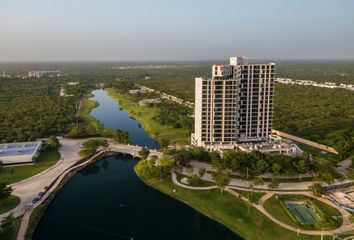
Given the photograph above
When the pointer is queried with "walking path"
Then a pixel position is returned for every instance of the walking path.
(235, 182)
(345, 227)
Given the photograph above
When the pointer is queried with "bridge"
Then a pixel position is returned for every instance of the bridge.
(130, 149)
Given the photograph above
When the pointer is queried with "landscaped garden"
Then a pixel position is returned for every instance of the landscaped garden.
(224, 208)
(303, 212)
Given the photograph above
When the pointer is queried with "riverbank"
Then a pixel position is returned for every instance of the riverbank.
(85, 109)
(226, 209)
(145, 116)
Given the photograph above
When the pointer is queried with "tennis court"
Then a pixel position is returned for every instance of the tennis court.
(302, 212)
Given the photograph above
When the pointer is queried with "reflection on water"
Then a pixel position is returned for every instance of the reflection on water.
(107, 201)
(111, 116)
(92, 169)
(114, 204)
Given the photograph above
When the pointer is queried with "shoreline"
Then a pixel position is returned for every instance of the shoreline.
(58, 184)
(176, 135)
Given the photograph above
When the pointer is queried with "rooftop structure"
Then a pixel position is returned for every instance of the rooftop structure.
(19, 153)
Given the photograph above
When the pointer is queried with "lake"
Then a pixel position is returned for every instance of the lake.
(106, 200)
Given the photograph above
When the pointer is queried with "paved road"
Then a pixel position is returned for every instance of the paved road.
(305, 141)
(29, 188)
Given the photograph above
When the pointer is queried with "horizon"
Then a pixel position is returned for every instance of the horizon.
(136, 31)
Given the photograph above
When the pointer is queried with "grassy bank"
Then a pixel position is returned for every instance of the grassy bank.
(145, 115)
(8, 203)
(226, 209)
(14, 174)
(86, 107)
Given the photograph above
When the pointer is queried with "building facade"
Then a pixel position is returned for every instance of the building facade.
(235, 105)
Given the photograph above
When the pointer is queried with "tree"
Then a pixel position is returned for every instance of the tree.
(222, 179)
(7, 227)
(317, 189)
(262, 166)
(1, 165)
(327, 178)
(164, 143)
(144, 152)
(201, 172)
(183, 156)
(276, 168)
(53, 142)
(5, 190)
(258, 181)
(274, 183)
(195, 179)
(302, 166)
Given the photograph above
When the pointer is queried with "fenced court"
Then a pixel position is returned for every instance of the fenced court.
(302, 212)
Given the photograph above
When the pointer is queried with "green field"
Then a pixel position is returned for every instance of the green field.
(253, 196)
(15, 174)
(145, 115)
(8, 203)
(226, 209)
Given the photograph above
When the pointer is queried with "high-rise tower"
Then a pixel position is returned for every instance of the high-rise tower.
(235, 105)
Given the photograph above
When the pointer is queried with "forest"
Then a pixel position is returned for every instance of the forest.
(31, 108)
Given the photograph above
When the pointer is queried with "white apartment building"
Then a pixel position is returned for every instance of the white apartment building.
(235, 105)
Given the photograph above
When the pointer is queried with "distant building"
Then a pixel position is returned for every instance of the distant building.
(73, 83)
(145, 102)
(41, 74)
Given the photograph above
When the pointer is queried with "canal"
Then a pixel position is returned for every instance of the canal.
(107, 201)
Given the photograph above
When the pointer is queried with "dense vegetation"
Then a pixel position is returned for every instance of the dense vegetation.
(174, 114)
(319, 71)
(147, 117)
(31, 108)
(321, 115)
(255, 163)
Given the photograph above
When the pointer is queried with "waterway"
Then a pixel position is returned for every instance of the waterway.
(107, 201)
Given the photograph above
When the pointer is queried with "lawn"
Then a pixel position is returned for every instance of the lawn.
(253, 196)
(226, 209)
(15, 174)
(86, 107)
(145, 115)
(275, 208)
(8, 203)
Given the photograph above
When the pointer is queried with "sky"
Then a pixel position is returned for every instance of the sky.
(142, 30)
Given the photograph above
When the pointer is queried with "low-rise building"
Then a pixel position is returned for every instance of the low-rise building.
(19, 153)
(145, 102)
